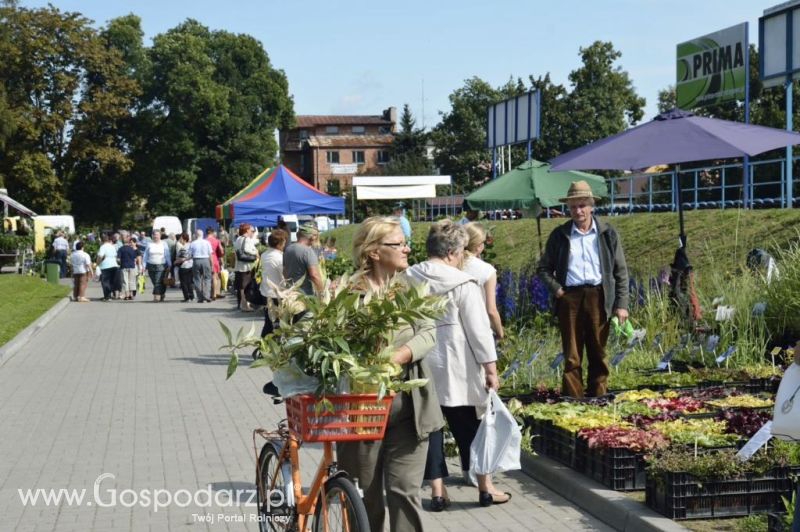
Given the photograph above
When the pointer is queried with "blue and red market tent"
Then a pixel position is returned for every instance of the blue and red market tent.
(274, 192)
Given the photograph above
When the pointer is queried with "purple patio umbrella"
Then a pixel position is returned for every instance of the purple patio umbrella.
(675, 137)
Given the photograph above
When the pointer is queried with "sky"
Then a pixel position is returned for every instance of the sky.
(360, 57)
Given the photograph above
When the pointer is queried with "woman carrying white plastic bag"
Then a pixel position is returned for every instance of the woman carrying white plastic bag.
(786, 417)
(496, 446)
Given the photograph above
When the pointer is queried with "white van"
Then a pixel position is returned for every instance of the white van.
(292, 224)
(171, 224)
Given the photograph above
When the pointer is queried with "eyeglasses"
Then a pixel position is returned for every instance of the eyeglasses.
(395, 244)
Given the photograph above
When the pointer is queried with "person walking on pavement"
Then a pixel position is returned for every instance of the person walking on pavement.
(217, 253)
(246, 257)
(483, 272)
(200, 252)
(583, 266)
(300, 261)
(60, 249)
(395, 464)
(107, 262)
(272, 272)
(184, 263)
(463, 362)
(81, 272)
(130, 261)
(157, 260)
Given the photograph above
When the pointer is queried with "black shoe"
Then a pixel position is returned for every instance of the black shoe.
(438, 504)
(486, 499)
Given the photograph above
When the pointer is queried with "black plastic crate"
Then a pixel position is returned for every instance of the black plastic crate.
(559, 445)
(616, 468)
(681, 496)
(537, 433)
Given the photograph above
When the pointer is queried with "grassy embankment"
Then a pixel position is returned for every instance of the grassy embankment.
(24, 299)
(715, 239)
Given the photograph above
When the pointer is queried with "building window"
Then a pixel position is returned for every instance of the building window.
(358, 157)
(333, 157)
(331, 130)
(303, 134)
(359, 130)
(383, 157)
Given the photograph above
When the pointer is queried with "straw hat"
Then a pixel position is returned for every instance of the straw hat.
(579, 190)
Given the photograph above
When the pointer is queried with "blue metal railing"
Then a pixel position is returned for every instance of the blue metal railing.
(712, 187)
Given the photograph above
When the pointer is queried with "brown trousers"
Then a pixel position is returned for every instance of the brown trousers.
(80, 280)
(584, 324)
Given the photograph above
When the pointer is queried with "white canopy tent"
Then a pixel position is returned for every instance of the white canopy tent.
(7, 202)
(399, 187)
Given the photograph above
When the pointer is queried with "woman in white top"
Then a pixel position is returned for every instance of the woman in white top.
(158, 262)
(81, 272)
(272, 272)
(246, 257)
(484, 273)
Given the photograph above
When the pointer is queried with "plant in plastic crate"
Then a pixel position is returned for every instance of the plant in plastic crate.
(343, 342)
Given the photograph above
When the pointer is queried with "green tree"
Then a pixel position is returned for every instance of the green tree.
(603, 100)
(554, 120)
(408, 153)
(460, 137)
(211, 104)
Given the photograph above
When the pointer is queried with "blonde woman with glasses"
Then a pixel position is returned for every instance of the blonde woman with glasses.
(397, 463)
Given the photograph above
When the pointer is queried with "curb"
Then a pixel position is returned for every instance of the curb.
(611, 507)
(15, 344)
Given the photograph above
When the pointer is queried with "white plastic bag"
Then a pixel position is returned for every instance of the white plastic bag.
(496, 446)
(786, 418)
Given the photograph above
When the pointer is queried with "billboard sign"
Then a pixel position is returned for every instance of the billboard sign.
(712, 69)
(513, 121)
(778, 45)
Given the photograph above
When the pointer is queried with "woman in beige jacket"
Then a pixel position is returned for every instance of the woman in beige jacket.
(462, 361)
(396, 463)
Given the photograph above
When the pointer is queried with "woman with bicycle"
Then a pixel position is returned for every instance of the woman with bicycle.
(396, 463)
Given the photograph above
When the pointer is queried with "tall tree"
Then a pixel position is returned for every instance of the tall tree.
(603, 100)
(212, 102)
(460, 137)
(409, 152)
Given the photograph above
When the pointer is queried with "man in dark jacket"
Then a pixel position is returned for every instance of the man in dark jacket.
(584, 268)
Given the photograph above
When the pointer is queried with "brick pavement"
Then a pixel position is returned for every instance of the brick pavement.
(137, 390)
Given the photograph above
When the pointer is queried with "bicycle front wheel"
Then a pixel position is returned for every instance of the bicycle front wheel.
(276, 510)
(340, 508)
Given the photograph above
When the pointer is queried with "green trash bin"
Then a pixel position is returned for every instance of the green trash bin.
(52, 269)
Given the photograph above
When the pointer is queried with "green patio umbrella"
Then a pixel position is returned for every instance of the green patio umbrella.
(530, 186)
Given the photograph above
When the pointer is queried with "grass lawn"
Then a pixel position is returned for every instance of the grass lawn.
(24, 299)
(715, 238)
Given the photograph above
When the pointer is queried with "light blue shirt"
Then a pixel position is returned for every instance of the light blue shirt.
(200, 248)
(584, 257)
(109, 254)
(405, 225)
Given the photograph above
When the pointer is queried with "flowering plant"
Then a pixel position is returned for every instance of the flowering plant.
(636, 440)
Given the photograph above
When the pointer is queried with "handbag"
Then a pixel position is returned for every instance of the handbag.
(252, 293)
(243, 256)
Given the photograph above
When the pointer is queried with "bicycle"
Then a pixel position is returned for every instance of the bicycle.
(333, 501)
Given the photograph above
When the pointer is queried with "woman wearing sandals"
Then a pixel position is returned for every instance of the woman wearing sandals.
(463, 360)
(397, 462)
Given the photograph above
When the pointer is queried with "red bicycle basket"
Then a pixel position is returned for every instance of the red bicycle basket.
(360, 417)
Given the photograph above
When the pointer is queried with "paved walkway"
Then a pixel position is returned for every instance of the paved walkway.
(136, 391)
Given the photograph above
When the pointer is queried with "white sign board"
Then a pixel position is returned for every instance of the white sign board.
(513, 121)
(392, 181)
(344, 169)
(402, 192)
(778, 44)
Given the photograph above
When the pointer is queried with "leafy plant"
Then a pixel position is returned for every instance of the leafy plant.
(633, 439)
(345, 335)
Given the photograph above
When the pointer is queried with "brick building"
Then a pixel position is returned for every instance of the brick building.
(328, 150)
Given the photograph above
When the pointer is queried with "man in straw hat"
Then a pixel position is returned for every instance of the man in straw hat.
(584, 267)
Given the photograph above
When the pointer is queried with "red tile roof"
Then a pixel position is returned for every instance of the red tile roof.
(340, 120)
(349, 141)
